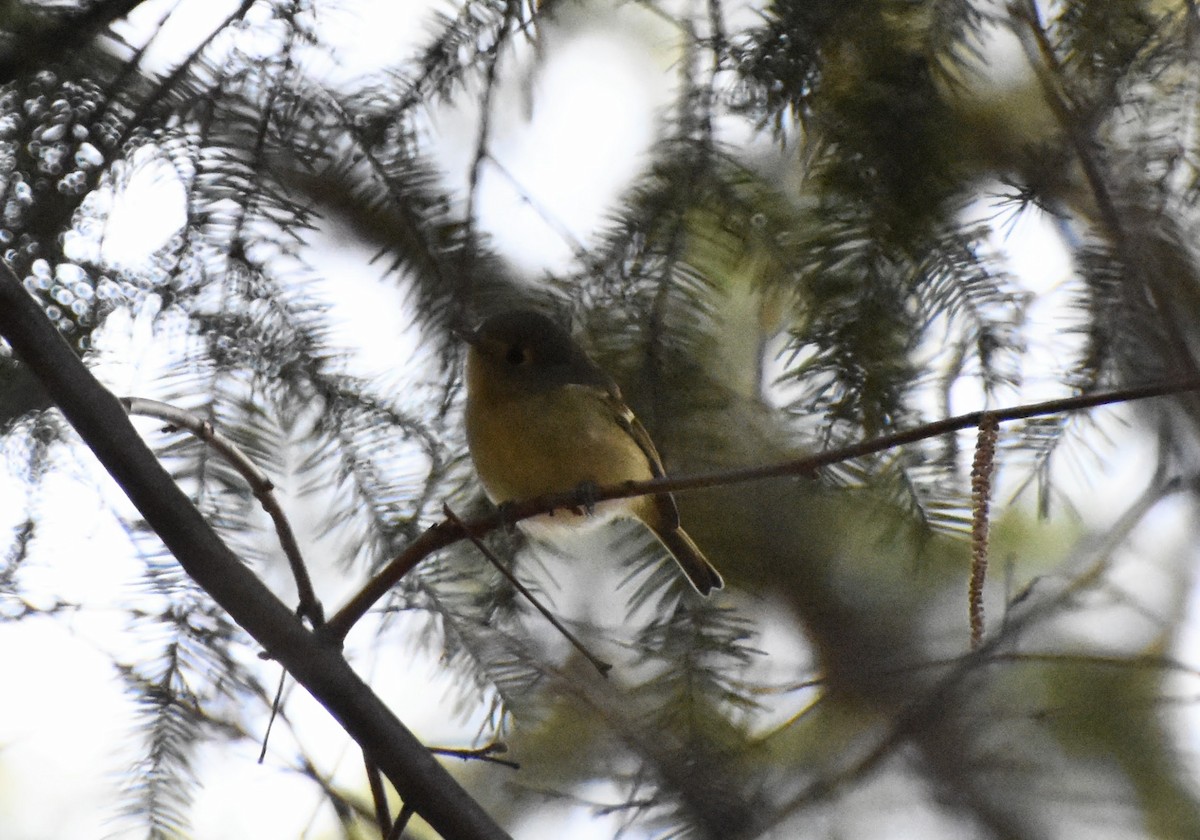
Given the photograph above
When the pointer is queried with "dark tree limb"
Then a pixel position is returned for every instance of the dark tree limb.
(101, 421)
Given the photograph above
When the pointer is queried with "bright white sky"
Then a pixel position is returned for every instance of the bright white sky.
(65, 722)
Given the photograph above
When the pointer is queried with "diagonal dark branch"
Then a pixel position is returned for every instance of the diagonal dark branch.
(102, 423)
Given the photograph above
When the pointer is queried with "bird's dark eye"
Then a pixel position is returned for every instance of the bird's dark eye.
(517, 355)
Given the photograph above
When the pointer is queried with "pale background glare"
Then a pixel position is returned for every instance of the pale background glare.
(568, 142)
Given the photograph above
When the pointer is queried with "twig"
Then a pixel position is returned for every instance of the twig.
(487, 752)
(442, 534)
(601, 666)
(383, 816)
(406, 814)
(262, 754)
(260, 485)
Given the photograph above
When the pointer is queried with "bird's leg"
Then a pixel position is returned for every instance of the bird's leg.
(506, 512)
(585, 495)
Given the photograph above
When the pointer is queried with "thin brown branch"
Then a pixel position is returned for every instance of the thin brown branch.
(442, 534)
(488, 753)
(406, 814)
(383, 814)
(260, 485)
(276, 704)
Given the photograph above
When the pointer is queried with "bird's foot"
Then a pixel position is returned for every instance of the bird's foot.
(507, 512)
(585, 495)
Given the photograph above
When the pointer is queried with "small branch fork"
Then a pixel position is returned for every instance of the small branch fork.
(451, 530)
(260, 485)
(309, 606)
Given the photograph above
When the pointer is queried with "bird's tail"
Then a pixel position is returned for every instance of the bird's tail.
(691, 559)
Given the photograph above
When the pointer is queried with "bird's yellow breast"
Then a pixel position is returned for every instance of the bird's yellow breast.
(529, 444)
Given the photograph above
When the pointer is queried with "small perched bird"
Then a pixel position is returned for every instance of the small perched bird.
(543, 418)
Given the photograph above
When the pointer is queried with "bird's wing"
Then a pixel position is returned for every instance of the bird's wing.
(667, 511)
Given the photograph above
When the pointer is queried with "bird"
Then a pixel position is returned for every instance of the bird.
(541, 417)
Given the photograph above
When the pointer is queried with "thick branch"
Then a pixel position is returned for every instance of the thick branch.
(105, 428)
